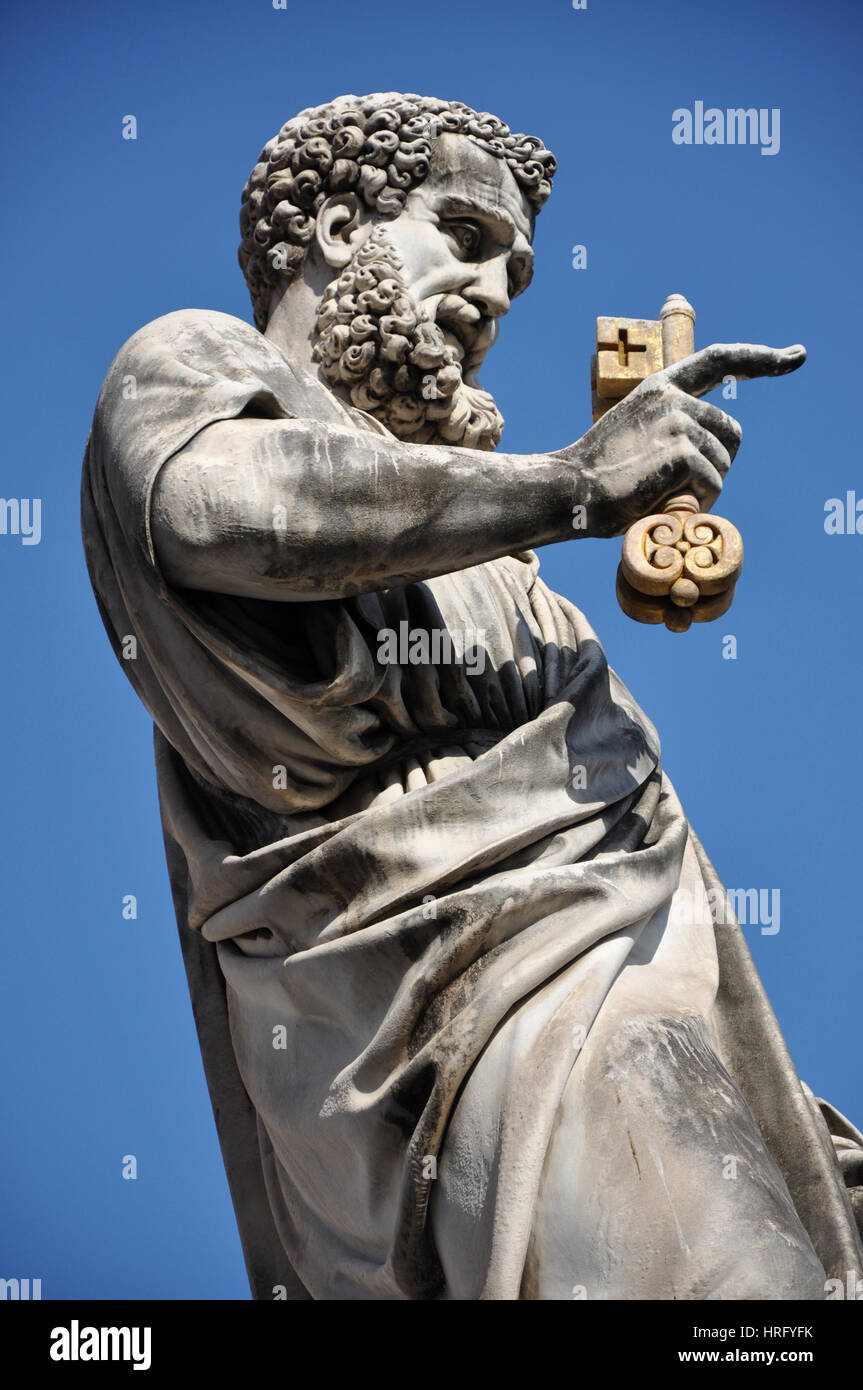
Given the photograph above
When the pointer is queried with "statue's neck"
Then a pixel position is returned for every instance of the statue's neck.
(293, 313)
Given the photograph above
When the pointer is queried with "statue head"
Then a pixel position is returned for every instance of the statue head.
(410, 221)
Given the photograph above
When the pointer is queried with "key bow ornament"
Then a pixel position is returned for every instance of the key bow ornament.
(684, 560)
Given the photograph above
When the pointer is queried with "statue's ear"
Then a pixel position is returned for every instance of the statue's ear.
(339, 229)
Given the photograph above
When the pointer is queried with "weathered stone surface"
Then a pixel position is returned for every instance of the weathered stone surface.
(466, 1034)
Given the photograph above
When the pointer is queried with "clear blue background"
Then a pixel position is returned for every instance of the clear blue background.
(103, 234)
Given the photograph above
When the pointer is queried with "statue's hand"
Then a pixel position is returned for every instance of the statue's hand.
(661, 439)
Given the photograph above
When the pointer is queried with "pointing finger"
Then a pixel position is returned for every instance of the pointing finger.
(707, 369)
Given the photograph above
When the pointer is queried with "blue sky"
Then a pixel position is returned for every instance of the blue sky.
(100, 1051)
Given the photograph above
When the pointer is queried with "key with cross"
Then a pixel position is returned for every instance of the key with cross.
(627, 351)
(678, 566)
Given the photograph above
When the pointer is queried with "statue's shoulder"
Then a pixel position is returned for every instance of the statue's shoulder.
(205, 333)
(194, 358)
(194, 366)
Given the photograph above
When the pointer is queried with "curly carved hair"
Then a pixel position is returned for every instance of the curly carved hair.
(377, 146)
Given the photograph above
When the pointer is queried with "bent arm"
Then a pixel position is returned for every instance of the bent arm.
(290, 509)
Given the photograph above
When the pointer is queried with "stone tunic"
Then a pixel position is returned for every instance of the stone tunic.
(465, 1035)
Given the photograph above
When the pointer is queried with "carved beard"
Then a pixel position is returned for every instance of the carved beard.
(372, 345)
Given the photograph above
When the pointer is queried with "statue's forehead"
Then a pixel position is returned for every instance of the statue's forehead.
(462, 170)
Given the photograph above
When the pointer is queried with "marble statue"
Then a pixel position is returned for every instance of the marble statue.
(468, 1030)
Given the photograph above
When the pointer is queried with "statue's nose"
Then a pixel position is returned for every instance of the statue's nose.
(488, 288)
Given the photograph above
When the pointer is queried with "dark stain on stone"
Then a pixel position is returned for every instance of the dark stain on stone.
(632, 1146)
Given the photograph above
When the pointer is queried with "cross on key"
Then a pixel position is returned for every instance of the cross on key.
(627, 351)
(624, 348)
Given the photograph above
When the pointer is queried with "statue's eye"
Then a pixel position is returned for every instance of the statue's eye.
(467, 236)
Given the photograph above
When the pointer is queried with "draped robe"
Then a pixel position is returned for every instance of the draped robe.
(464, 1034)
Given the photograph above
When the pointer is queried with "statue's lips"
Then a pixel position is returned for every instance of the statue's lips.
(462, 324)
(452, 340)
(471, 340)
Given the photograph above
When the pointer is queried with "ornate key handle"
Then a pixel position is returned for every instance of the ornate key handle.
(678, 566)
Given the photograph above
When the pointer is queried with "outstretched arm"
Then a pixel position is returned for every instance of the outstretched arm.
(292, 509)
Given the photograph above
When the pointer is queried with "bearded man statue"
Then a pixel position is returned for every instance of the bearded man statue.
(467, 1030)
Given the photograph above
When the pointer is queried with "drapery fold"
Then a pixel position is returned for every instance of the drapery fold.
(438, 977)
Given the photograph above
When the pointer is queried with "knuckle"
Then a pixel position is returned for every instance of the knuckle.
(677, 422)
(727, 422)
(724, 427)
(653, 389)
(709, 477)
(684, 453)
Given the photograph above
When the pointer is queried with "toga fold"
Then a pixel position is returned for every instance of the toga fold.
(464, 1034)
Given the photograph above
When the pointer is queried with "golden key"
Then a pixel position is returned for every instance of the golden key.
(681, 565)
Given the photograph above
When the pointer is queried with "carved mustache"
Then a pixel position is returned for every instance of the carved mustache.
(464, 320)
